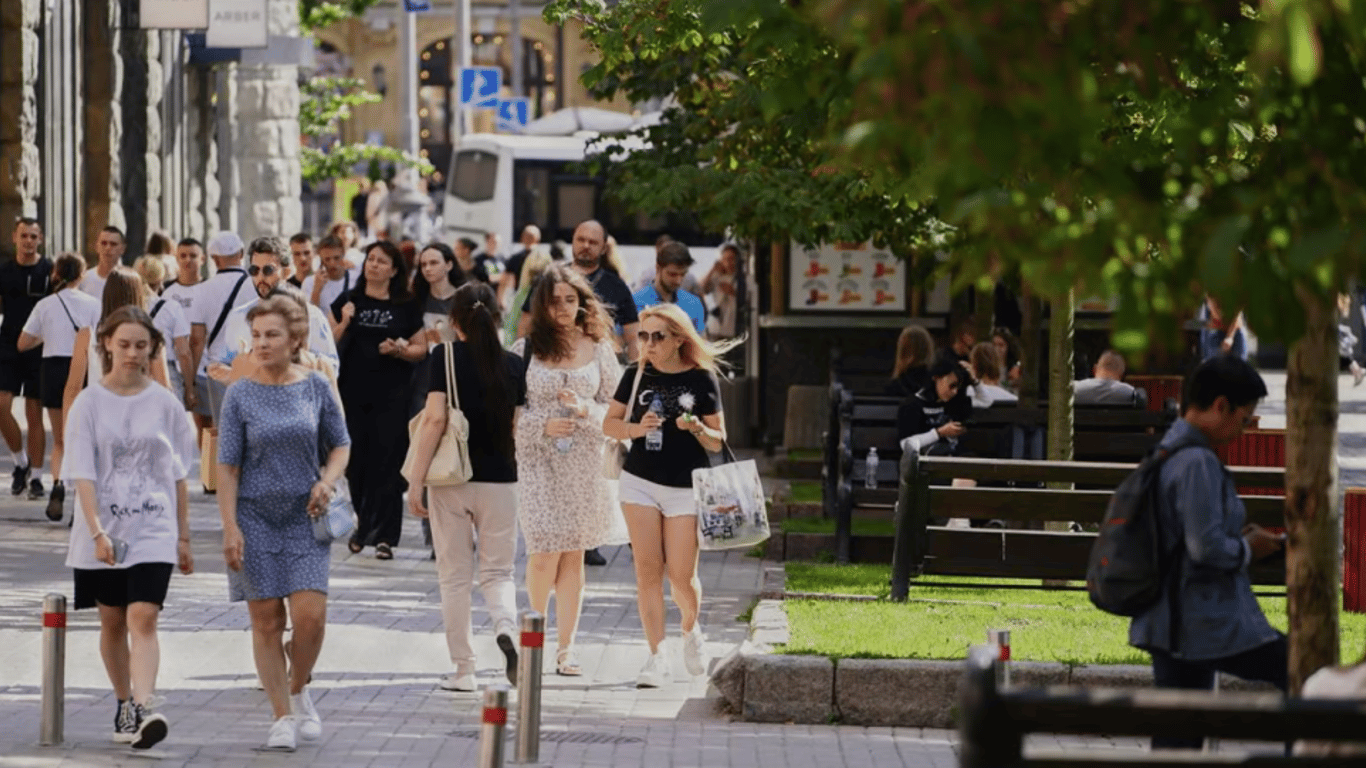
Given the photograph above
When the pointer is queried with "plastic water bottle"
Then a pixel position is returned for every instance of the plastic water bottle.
(654, 440)
(565, 444)
(870, 474)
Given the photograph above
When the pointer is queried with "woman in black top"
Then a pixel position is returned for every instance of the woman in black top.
(379, 338)
(933, 415)
(491, 387)
(679, 400)
(910, 372)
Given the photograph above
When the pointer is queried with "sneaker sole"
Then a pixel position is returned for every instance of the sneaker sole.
(510, 654)
(153, 730)
(124, 738)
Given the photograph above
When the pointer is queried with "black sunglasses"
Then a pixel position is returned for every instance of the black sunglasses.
(42, 287)
(267, 270)
(658, 336)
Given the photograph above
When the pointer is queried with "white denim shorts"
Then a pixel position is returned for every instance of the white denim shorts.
(670, 501)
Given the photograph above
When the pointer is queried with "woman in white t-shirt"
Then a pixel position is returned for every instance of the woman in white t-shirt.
(986, 362)
(169, 318)
(55, 322)
(122, 288)
(130, 450)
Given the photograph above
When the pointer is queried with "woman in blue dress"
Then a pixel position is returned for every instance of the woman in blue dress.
(273, 425)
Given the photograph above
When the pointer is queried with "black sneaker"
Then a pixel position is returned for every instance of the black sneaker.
(593, 557)
(20, 481)
(36, 491)
(152, 728)
(509, 650)
(56, 502)
(126, 722)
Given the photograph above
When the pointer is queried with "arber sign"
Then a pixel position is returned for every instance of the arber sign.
(237, 24)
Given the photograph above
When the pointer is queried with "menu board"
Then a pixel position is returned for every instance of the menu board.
(845, 277)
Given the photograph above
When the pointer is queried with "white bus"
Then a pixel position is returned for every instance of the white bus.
(501, 183)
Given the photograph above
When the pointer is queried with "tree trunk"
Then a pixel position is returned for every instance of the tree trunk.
(1313, 517)
(1031, 312)
(1061, 347)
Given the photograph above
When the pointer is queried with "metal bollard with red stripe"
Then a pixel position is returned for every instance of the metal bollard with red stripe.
(50, 731)
(1001, 639)
(495, 721)
(529, 688)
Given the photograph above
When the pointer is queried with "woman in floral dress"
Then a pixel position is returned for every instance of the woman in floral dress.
(566, 503)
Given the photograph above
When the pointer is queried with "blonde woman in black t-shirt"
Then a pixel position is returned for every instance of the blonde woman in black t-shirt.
(673, 422)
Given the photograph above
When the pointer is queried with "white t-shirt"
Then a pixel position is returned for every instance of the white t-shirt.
(93, 284)
(170, 320)
(237, 336)
(134, 448)
(332, 288)
(210, 298)
(983, 395)
(51, 322)
(1334, 683)
(183, 295)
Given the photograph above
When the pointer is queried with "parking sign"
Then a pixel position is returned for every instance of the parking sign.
(479, 87)
(513, 114)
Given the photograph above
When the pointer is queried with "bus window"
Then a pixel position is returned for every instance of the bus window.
(474, 176)
(575, 203)
(531, 196)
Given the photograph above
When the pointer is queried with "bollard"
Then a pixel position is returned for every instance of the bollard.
(529, 666)
(54, 670)
(495, 720)
(1001, 639)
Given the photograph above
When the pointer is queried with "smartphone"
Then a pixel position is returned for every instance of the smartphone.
(120, 550)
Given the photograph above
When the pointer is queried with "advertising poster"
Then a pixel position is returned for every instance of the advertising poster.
(845, 277)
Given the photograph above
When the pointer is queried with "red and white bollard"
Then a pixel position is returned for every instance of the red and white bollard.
(1001, 639)
(495, 721)
(54, 670)
(529, 688)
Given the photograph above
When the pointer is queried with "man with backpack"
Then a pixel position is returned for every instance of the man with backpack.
(1204, 618)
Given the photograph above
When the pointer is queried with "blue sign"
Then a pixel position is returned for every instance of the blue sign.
(479, 87)
(413, 6)
(513, 114)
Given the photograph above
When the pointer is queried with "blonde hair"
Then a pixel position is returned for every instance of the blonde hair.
(986, 361)
(287, 308)
(695, 351)
(151, 269)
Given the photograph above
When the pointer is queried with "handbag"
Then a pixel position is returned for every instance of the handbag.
(731, 511)
(340, 518)
(451, 461)
(614, 453)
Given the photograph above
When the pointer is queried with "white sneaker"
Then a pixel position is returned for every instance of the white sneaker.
(694, 651)
(457, 681)
(282, 734)
(655, 673)
(306, 718)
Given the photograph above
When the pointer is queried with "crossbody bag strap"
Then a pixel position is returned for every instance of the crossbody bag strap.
(452, 392)
(74, 326)
(631, 402)
(157, 308)
(227, 307)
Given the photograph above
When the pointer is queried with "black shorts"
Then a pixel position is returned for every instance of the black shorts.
(55, 370)
(21, 374)
(118, 587)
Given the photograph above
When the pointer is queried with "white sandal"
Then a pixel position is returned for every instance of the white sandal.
(567, 663)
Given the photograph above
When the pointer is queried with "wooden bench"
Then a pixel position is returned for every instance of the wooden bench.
(859, 423)
(993, 723)
(925, 548)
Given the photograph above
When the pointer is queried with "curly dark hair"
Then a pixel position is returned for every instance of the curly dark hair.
(545, 338)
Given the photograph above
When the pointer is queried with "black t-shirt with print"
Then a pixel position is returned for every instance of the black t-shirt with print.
(681, 453)
(366, 375)
(20, 289)
(489, 465)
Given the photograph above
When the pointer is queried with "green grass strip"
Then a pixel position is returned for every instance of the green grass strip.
(822, 525)
(805, 492)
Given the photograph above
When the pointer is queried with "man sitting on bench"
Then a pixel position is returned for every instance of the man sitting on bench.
(1105, 386)
(1207, 619)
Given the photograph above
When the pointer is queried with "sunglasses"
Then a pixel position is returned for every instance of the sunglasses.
(267, 270)
(657, 337)
(42, 286)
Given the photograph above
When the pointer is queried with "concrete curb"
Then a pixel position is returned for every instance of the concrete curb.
(761, 686)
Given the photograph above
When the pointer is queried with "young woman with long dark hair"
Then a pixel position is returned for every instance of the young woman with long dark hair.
(490, 385)
(379, 338)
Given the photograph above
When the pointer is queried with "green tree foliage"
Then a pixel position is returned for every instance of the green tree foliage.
(324, 103)
(726, 148)
(316, 14)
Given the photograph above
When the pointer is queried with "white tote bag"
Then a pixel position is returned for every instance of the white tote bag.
(731, 511)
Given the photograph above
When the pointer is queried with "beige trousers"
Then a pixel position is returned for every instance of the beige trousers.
(474, 522)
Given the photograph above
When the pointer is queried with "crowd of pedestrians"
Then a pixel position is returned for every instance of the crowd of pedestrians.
(299, 365)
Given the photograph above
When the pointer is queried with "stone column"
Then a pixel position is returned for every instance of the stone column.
(20, 160)
(103, 118)
(267, 137)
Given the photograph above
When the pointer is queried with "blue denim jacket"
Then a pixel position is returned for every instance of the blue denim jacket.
(1202, 514)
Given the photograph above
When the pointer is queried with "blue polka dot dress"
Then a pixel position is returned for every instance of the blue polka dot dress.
(277, 436)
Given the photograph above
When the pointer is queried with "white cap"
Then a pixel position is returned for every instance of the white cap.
(225, 244)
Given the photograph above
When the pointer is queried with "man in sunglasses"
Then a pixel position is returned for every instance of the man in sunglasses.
(23, 282)
(269, 258)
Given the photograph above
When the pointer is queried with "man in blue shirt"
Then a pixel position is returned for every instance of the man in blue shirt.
(671, 267)
(1207, 619)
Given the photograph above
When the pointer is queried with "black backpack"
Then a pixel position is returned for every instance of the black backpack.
(1125, 574)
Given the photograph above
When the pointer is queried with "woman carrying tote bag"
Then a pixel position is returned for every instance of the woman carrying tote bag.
(674, 421)
(490, 386)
